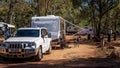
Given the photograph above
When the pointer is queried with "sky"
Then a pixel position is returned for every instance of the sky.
(29, 0)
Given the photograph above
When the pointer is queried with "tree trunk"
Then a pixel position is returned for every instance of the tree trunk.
(46, 6)
(109, 37)
(100, 18)
(10, 12)
(99, 28)
(115, 36)
(115, 26)
(38, 7)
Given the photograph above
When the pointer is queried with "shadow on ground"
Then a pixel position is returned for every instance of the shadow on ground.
(74, 63)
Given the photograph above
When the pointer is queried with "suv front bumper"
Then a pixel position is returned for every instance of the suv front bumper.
(20, 53)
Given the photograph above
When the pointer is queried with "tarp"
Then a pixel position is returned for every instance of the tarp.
(85, 30)
(9, 25)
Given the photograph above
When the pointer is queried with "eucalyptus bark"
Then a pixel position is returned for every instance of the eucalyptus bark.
(38, 7)
(10, 12)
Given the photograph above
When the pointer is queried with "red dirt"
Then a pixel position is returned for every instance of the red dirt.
(57, 57)
(82, 56)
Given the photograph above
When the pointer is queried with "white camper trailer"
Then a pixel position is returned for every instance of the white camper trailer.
(54, 24)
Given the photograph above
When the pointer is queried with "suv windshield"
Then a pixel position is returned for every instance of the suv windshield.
(27, 33)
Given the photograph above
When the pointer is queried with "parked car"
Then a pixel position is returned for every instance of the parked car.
(27, 42)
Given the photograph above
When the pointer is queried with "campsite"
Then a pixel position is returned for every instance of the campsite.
(59, 33)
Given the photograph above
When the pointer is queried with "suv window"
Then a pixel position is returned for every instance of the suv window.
(27, 33)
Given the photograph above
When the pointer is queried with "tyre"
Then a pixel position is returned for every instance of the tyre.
(39, 55)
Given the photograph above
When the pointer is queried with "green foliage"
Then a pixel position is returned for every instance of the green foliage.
(3, 12)
(98, 13)
(22, 14)
(79, 12)
(84, 23)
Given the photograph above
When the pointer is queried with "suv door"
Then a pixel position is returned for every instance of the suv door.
(44, 35)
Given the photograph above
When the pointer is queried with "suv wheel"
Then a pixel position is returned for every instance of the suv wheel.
(39, 55)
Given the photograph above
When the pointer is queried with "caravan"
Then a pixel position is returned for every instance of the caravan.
(5, 31)
(55, 24)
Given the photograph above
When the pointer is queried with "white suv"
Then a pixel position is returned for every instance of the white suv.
(27, 42)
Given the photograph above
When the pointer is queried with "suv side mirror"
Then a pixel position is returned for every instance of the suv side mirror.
(43, 33)
(49, 35)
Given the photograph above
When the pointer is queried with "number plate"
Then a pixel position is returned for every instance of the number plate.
(14, 50)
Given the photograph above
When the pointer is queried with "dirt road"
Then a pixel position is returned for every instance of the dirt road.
(74, 57)
(58, 58)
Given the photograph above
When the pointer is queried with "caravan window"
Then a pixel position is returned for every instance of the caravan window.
(51, 25)
(37, 19)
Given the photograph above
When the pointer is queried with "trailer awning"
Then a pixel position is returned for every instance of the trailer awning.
(9, 25)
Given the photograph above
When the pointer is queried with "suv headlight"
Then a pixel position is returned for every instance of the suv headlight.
(4, 45)
(30, 45)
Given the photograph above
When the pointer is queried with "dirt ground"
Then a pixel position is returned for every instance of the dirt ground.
(83, 56)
